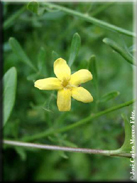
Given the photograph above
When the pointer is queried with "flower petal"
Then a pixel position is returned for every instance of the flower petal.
(48, 84)
(81, 76)
(61, 69)
(82, 95)
(64, 100)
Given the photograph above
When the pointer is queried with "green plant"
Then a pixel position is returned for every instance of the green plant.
(34, 57)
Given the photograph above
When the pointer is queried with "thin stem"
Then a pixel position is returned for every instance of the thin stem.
(92, 20)
(83, 121)
(79, 123)
(61, 148)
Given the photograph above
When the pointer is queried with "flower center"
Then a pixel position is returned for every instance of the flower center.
(65, 83)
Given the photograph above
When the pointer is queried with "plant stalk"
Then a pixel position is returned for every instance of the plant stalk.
(91, 19)
(79, 123)
(69, 149)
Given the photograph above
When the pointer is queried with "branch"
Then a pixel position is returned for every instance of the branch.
(91, 19)
(79, 123)
(69, 149)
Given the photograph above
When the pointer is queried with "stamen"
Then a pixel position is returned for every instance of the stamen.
(65, 83)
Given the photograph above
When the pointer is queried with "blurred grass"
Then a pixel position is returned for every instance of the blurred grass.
(36, 111)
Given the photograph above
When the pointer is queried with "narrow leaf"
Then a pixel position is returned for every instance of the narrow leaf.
(33, 77)
(63, 154)
(55, 55)
(16, 47)
(118, 49)
(41, 11)
(126, 147)
(132, 48)
(75, 45)
(21, 152)
(42, 61)
(92, 67)
(68, 143)
(109, 96)
(33, 6)
(54, 15)
(10, 82)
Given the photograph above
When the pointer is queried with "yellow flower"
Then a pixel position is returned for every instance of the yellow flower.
(67, 85)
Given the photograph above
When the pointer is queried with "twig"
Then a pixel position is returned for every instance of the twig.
(91, 19)
(69, 149)
(79, 123)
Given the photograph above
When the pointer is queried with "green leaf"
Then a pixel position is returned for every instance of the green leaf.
(41, 11)
(118, 49)
(21, 152)
(126, 147)
(42, 61)
(33, 77)
(92, 67)
(33, 6)
(132, 48)
(17, 49)
(52, 15)
(75, 45)
(10, 82)
(63, 154)
(109, 96)
(55, 55)
(68, 143)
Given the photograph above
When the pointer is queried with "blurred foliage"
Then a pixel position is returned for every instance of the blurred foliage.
(10, 82)
(45, 37)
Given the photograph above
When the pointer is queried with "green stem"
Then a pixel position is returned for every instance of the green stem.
(12, 18)
(81, 122)
(91, 19)
(69, 149)
(119, 153)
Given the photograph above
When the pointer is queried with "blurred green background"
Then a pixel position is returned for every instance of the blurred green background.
(36, 111)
